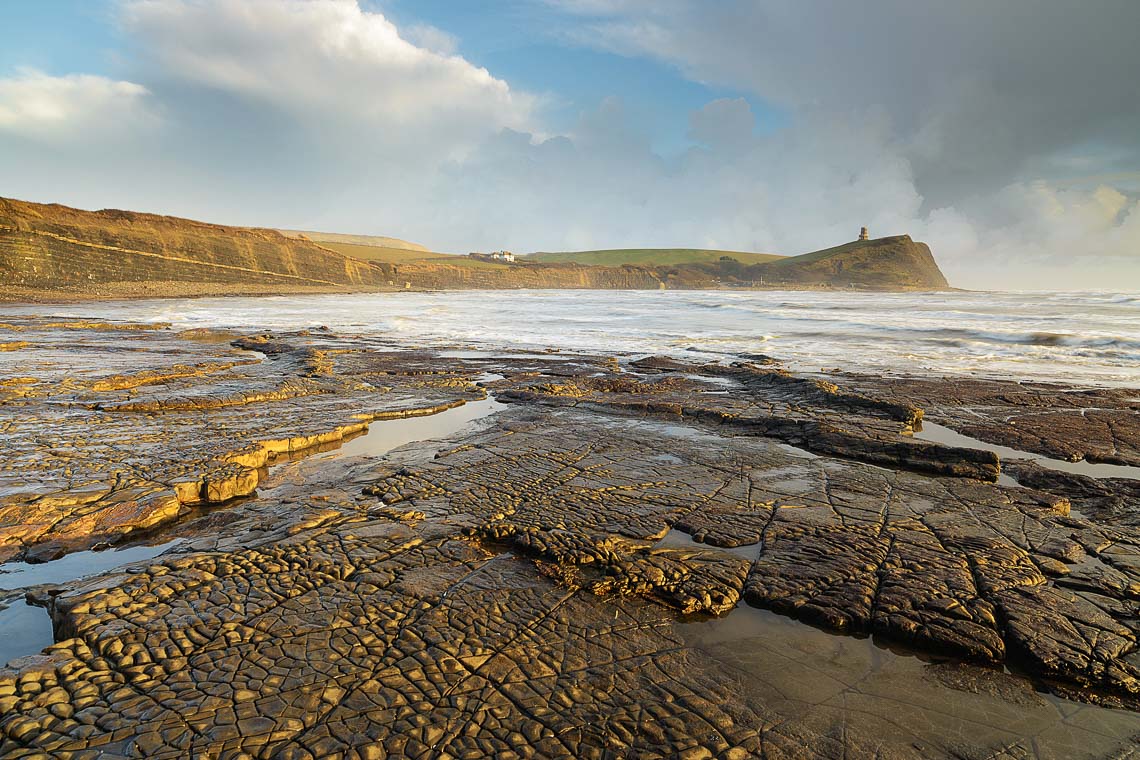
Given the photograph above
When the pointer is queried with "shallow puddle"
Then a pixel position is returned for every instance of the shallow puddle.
(939, 708)
(929, 431)
(383, 436)
(723, 382)
(19, 575)
(25, 629)
(676, 539)
(475, 353)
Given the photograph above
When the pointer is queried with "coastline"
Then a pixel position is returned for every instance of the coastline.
(135, 291)
(979, 335)
(739, 485)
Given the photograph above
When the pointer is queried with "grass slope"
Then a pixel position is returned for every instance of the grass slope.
(826, 253)
(648, 256)
(376, 241)
(889, 263)
(382, 254)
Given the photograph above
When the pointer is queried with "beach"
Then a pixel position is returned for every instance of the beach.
(441, 524)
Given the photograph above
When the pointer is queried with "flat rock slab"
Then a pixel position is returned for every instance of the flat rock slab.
(580, 577)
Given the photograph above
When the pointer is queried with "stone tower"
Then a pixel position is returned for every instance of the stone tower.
(863, 234)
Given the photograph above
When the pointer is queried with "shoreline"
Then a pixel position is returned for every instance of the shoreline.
(705, 506)
(990, 336)
(16, 295)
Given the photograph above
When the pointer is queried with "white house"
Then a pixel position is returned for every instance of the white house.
(506, 256)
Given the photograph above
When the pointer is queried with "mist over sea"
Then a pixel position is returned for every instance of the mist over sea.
(1090, 338)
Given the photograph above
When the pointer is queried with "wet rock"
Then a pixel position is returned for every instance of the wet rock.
(1100, 425)
(142, 424)
(519, 591)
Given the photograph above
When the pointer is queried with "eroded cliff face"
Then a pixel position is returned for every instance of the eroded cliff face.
(431, 275)
(54, 248)
(51, 246)
(890, 263)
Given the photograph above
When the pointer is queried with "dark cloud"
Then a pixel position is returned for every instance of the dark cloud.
(980, 93)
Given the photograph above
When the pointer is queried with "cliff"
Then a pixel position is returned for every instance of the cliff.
(440, 274)
(890, 263)
(55, 249)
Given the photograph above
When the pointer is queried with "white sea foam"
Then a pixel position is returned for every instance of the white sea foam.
(1086, 338)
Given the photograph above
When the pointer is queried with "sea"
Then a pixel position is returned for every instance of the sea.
(1083, 338)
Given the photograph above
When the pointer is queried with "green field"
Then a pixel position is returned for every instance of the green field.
(378, 253)
(648, 256)
(403, 256)
(808, 258)
(462, 261)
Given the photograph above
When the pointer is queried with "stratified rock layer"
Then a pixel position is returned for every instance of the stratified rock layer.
(53, 249)
(890, 263)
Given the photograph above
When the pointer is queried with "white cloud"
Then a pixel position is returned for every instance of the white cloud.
(1037, 234)
(38, 106)
(978, 91)
(326, 62)
(431, 38)
(274, 112)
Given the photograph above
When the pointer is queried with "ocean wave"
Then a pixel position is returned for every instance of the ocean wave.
(1060, 340)
(1086, 337)
(962, 336)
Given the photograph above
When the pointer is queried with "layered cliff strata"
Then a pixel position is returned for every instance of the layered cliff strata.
(54, 247)
(47, 249)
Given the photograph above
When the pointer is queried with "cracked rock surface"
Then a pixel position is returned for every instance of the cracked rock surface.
(631, 558)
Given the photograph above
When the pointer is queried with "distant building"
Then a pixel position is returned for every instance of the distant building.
(863, 234)
(506, 256)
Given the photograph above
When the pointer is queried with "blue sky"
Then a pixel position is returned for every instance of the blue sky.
(520, 41)
(58, 36)
(527, 44)
(1007, 138)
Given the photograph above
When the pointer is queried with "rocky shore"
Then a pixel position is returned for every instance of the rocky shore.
(130, 291)
(610, 557)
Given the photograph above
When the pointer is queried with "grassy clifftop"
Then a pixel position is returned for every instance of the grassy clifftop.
(889, 263)
(382, 254)
(371, 241)
(648, 256)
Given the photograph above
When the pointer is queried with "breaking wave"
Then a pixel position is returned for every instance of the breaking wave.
(1089, 338)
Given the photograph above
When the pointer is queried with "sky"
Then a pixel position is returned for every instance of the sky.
(1005, 135)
